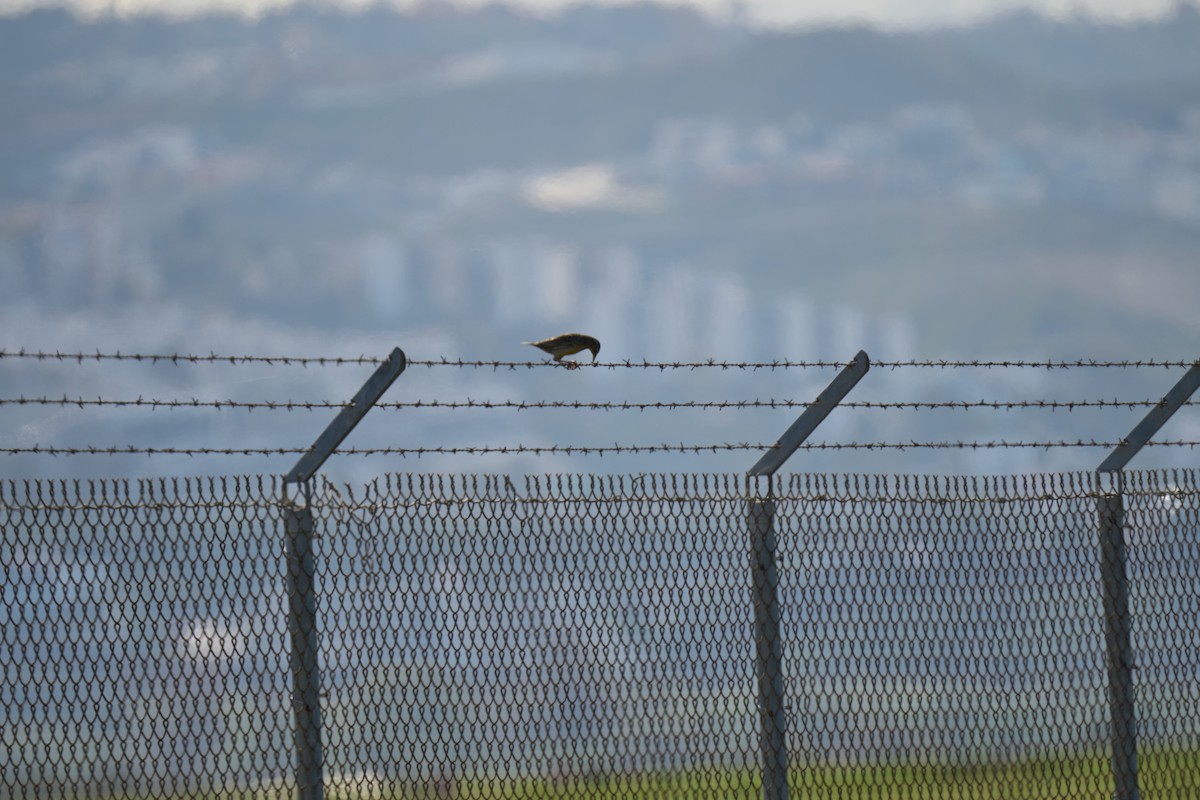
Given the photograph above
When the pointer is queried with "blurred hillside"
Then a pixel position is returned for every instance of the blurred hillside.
(464, 180)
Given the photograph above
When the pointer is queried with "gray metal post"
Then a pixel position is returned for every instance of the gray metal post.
(1119, 646)
(768, 650)
(764, 572)
(302, 573)
(1118, 640)
(306, 671)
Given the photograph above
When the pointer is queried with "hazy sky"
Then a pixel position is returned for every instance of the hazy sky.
(767, 12)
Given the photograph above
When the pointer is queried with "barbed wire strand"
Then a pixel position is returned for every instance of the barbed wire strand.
(526, 405)
(323, 361)
(576, 449)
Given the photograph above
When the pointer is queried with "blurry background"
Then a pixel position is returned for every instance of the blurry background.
(746, 181)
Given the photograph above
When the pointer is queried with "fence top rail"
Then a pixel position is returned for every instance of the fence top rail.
(455, 489)
(327, 361)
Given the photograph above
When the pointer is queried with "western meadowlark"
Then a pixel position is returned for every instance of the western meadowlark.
(568, 344)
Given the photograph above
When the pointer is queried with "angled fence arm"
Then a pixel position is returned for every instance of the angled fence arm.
(1114, 581)
(1150, 424)
(813, 416)
(764, 572)
(348, 417)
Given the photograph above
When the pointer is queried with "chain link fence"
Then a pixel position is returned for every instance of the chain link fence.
(591, 637)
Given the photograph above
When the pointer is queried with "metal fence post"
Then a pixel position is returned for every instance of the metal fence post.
(764, 576)
(1118, 629)
(768, 648)
(1118, 645)
(302, 573)
(306, 673)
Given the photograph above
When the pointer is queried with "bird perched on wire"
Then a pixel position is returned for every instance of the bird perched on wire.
(568, 344)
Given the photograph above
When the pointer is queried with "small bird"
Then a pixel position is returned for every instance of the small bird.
(567, 344)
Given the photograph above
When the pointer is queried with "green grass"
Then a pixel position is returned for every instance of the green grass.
(1165, 775)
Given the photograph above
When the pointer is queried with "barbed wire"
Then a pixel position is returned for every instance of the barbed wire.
(575, 449)
(378, 451)
(1049, 365)
(188, 358)
(324, 361)
(526, 405)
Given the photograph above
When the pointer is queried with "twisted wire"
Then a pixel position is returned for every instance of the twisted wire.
(525, 405)
(188, 358)
(1027, 364)
(194, 358)
(578, 449)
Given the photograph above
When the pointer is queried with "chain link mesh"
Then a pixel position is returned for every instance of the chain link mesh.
(592, 637)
